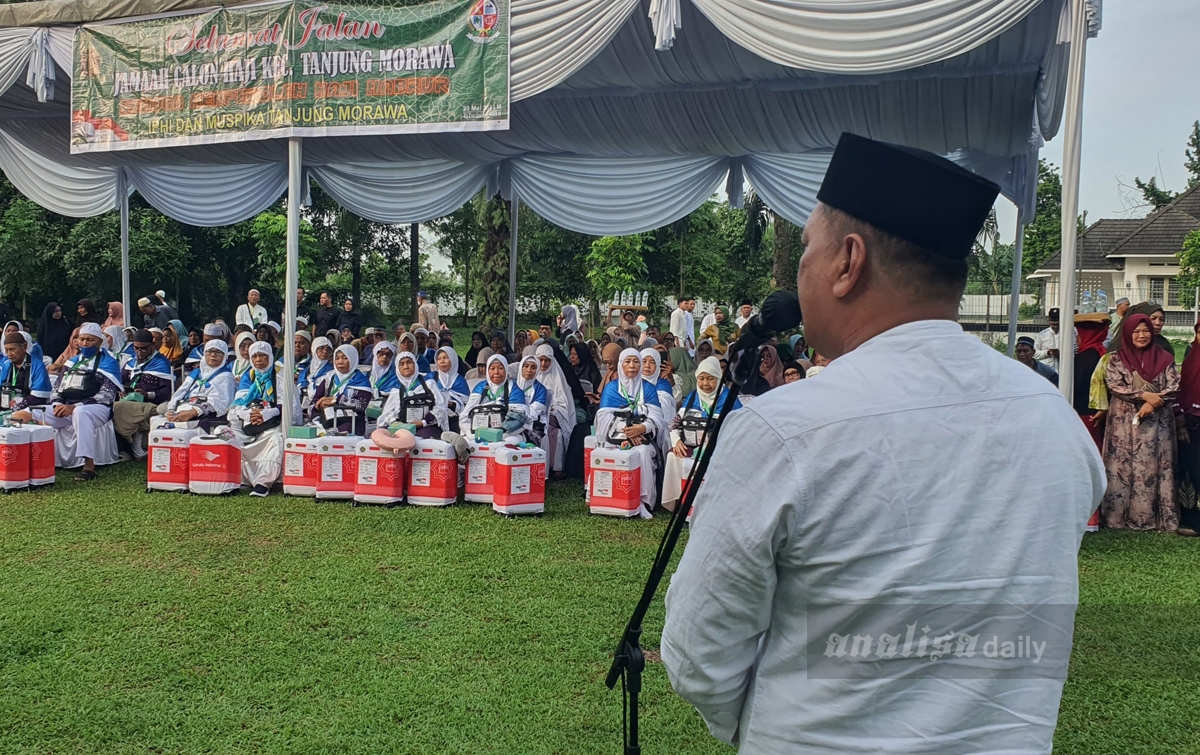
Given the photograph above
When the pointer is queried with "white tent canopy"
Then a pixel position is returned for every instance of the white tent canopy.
(626, 114)
(582, 111)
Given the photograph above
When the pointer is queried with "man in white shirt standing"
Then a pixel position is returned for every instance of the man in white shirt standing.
(1045, 346)
(745, 311)
(682, 324)
(839, 542)
(251, 313)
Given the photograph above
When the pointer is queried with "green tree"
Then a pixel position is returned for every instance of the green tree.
(493, 264)
(1043, 234)
(1189, 262)
(615, 263)
(1191, 155)
(1156, 196)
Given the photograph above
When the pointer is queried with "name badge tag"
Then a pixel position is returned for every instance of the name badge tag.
(414, 414)
(72, 382)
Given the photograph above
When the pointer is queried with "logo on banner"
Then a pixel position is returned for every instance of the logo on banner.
(484, 17)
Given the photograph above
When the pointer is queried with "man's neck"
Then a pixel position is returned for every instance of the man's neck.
(865, 329)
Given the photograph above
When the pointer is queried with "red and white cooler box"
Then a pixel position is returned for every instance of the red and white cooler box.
(589, 445)
(616, 484)
(14, 458)
(432, 474)
(167, 459)
(519, 485)
(380, 476)
(481, 472)
(301, 466)
(41, 455)
(214, 465)
(339, 467)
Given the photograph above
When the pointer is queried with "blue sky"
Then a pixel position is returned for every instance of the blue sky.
(1141, 96)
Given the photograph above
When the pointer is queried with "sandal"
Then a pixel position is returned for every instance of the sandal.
(86, 475)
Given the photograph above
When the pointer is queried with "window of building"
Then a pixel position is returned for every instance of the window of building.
(1157, 289)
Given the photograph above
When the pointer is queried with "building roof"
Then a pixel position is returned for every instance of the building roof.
(1094, 245)
(1162, 232)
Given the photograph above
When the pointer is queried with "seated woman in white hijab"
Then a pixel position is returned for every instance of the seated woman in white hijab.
(687, 427)
(207, 393)
(496, 403)
(382, 378)
(630, 414)
(416, 400)
(537, 400)
(561, 415)
(452, 385)
(340, 403)
(320, 366)
(652, 373)
(81, 406)
(255, 418)
(241, 352)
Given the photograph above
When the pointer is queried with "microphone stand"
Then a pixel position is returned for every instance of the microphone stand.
(629, 661)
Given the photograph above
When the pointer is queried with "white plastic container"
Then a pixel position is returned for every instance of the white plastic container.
(616, 484)
(167, 459)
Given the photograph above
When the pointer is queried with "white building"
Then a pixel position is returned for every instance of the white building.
(1135, 258)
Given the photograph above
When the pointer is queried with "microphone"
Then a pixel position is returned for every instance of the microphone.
(780, 311)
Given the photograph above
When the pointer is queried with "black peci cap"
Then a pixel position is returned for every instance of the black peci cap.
(911, 194)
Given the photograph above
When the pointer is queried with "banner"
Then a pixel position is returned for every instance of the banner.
(299, 68)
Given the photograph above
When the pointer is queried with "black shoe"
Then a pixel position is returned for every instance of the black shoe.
(260, 491)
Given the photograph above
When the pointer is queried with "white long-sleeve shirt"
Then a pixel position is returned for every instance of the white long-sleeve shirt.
(683, 327)
(253, 318)
(924, 468)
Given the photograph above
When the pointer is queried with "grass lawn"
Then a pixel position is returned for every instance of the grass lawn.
(134, 623)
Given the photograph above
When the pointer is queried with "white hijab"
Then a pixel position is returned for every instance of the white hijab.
(523, 383)
(241, 365)
(215, 345)
(446, 379)
(317, 364)
(406, 382)
(487, 369)
(631, 386)
(562, 403)
(351, 354)
(378, 371)
(709, 366)
(653, 354)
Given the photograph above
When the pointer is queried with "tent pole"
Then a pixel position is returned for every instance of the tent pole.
(512, 267)
(1072, 133)
(123, 198)
(1014, 304)
(295, 196)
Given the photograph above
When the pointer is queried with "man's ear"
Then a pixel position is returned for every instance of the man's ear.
(850, 262)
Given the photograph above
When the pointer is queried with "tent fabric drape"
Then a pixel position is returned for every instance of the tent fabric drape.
(409, 192)
(210, 195)
(616, 196)
(72, 191)
(553, 39)
(866, 36)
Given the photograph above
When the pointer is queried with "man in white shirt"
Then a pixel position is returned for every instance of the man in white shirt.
(1045, 346)
(682, 324)
(745, 311)
(251, 313)
(844, 519)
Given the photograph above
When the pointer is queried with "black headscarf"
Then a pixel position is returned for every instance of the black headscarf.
(506, 349)
(89, 314)
(473, 353)
(588, 369)
(53, 335)
(560, 356)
